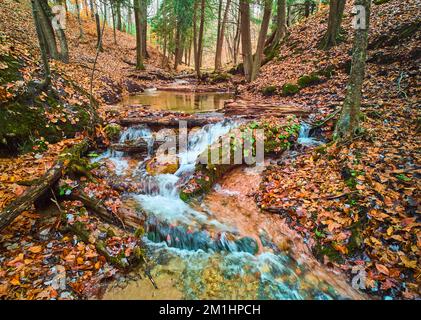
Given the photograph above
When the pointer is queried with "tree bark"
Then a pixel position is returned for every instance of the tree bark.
(47, 31)
(201, 34)
(246, 38)
(42, 45)
(348, 124)
(64, 49)
(336, 10)
(257, 60)
(195, 39)
(220, 38)
(138, 22)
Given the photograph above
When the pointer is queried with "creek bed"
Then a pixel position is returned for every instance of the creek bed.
(222, 247)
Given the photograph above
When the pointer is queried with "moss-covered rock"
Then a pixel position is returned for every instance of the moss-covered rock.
(289, 89)
(41, 117)
(269, 91)
(113, 131)
(308, 80)
(278, 137)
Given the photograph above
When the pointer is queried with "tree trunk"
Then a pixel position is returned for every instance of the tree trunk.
(177, 47)
(280, 29)
(42, 45)
(119, 24)
(220, 39)
(47, 31)
(79, 20)
(64, 49)
(91, 6)
(246, 38)
(261, 40)
(114, 22)
(336, 10)
(98, 30)
(201, 34)
(237, 38)
(195, 40)
(138, 22)
(348, 123)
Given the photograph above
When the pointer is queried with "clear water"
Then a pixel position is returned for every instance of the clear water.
(189, 102)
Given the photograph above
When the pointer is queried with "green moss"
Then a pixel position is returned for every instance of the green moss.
(9, 69)
(308, 80)
(269, 91)
(379, 2)
(23, 122)
(113, 131)
(290, 89)
(278, 138)
(321, 250)
(220, 77)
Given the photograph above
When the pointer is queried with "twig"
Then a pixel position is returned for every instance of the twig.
(401, 76)
(330, 116)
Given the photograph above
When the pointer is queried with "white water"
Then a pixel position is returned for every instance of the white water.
(304, 136)
(161, 197)
(118, 158)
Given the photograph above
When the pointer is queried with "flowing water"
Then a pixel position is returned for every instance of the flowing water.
(189, 102)
(222, 247)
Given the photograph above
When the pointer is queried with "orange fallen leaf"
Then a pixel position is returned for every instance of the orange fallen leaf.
(382, 269)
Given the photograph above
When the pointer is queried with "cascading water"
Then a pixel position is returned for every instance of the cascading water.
(161, 197)
(304, 137)
(211, 259)
(119, 158)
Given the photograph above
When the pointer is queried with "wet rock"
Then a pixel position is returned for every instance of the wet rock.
(132, 87)
(155, 167)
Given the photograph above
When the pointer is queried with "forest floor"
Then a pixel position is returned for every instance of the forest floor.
(356, 202)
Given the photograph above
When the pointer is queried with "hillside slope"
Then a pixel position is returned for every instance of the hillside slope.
(357, 201)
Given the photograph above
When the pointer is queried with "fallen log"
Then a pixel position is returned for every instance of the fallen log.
(255, 109)
(138, 147)
(124, 218)
(47, 181)
(168, 122)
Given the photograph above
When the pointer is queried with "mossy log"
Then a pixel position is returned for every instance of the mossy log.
(47, 181)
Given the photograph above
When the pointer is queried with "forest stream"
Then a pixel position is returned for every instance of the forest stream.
(223, 247)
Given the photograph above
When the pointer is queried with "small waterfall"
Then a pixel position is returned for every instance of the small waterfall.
(138, 133)
(160, 196)
(304, 137)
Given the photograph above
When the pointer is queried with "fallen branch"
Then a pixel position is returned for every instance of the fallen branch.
(124, 220)
(49, 179)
